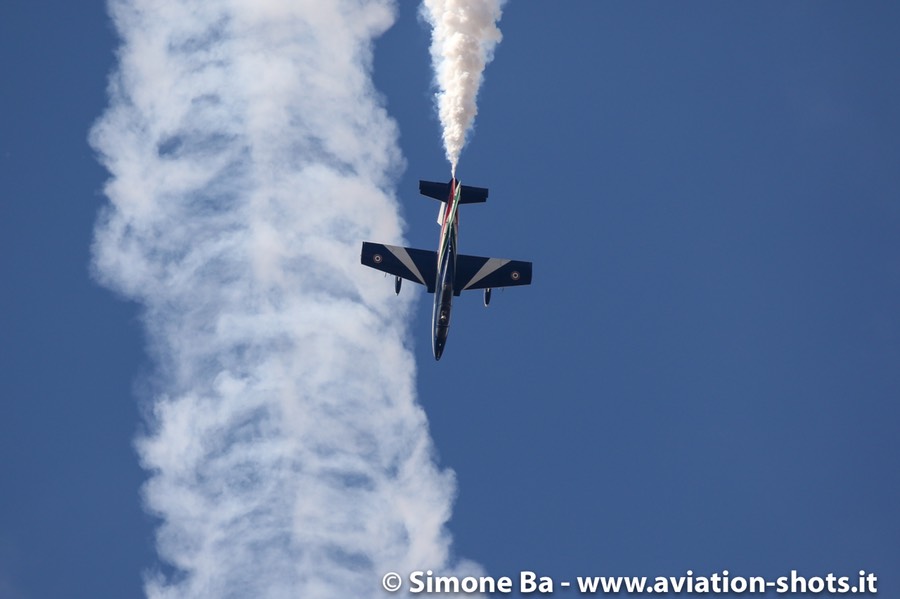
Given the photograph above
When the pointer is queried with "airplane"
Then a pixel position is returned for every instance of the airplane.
(445, 272)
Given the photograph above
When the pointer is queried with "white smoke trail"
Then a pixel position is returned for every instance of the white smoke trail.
(249, 156)
(464, 34)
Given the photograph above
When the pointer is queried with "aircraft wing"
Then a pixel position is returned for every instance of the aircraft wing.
(475, 272)
(418, 266)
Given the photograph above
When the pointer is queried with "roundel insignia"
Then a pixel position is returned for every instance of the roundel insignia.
(376, 258)
(514, 275)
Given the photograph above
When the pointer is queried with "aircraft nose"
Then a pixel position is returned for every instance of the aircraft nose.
(439, 341)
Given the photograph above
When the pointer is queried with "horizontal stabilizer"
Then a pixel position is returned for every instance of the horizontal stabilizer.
(441, 191)
(475, 272)
(418, 266)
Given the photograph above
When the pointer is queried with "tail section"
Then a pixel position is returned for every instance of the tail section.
(441, 192)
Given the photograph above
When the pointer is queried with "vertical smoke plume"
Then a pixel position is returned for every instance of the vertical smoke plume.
(249, 155)
(464, 34)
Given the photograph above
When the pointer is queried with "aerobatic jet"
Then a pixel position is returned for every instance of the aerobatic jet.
(445, 272)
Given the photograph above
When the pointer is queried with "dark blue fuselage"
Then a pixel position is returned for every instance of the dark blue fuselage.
(443, 292)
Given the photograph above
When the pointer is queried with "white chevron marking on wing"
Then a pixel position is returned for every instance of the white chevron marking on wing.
(404, 257)
(490, 266)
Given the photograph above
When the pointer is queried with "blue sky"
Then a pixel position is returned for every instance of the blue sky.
(704, 374)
